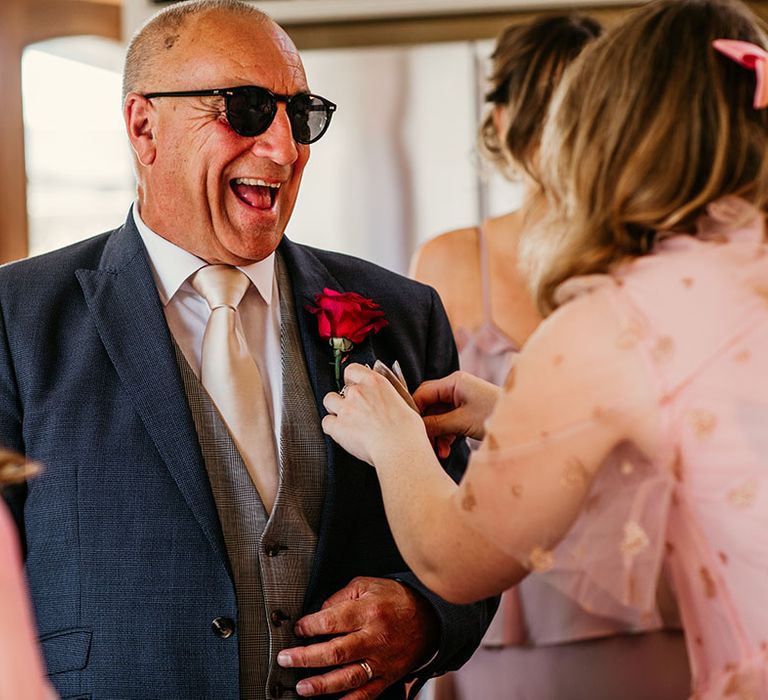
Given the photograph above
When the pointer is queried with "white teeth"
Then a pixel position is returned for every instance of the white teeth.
(256, 183)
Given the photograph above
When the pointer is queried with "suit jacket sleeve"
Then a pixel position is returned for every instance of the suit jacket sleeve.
(462, 626)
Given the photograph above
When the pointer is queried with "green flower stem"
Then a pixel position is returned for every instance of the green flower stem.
(341, 346)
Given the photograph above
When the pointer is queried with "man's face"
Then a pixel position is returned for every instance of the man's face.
(224, 197)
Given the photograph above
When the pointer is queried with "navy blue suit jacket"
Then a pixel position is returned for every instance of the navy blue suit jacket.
(124, 552)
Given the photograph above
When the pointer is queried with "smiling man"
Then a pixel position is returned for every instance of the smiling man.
(193, 534)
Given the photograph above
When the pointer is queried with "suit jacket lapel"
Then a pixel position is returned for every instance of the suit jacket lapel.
(123, 300)
(345, 475)
(309, 277)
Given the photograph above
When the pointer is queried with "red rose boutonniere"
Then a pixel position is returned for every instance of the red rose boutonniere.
(345, 319)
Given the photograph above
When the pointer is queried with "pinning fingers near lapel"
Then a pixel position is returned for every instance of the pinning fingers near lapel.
(369, 416)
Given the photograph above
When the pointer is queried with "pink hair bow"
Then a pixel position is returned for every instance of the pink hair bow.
(750, 56)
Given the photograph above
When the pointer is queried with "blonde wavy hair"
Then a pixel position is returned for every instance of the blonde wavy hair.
(14, 469)
(649, 125)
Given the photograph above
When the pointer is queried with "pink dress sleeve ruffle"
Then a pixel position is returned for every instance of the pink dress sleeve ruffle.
(552, 430)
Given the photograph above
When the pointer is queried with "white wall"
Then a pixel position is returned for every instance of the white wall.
(397, 163)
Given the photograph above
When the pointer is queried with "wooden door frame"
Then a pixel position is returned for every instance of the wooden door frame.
(24, 22)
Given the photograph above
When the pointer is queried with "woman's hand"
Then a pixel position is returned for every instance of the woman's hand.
(458, 404)
(370, 419)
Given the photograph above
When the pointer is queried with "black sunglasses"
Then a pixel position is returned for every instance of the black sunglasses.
(251, 109)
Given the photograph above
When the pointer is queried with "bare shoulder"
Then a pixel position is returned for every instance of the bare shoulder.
(450, 263)
(441, 259)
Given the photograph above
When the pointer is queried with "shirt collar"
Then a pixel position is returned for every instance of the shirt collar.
(172, 265)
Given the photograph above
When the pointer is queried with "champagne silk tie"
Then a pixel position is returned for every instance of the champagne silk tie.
(232, 378)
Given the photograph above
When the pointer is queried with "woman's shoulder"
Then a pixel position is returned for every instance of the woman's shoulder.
(440, 258)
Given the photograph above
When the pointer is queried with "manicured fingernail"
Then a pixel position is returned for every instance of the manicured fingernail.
(284, 660)
(304, 688)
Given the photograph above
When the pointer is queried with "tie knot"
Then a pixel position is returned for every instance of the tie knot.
(220, 285)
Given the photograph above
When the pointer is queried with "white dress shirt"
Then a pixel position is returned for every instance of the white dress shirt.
(186, 312)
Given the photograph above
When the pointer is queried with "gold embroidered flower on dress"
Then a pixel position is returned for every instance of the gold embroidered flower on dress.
(740, 687)
(629, 336)
(710, 589)
(732, 687)
(761, 289)
(574, 473)
(687, 282)
(626, 467)
(743, 356)
(663, 349)
(743, 496)
(517, 490)
(468, 500)
(703, 422)
(635, 540)
(677, 466)
(541, 559)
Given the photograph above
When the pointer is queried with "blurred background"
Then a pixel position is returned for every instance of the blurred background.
(398, 165)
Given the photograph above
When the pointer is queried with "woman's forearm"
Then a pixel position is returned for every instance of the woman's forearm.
(435, 541)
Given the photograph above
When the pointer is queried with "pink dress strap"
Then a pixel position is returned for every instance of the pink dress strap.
(486, 351)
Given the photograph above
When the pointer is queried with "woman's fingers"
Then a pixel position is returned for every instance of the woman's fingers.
(332, 402)
(446, 426)
(356, 373)
(443, 445)
(436, 393)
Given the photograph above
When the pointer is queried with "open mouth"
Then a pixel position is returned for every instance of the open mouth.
(258, 194)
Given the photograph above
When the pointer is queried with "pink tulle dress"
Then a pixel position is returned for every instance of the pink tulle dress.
(636, 421)
(542, 645)
(21, 669)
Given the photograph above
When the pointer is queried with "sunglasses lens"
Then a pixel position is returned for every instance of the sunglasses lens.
(250, 110)
(310, 116)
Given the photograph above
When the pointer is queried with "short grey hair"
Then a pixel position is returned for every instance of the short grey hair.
(161, 32)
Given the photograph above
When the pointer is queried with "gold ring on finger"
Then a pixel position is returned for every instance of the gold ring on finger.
(367, 668)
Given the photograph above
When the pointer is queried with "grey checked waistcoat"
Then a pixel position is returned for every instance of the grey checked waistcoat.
(270, 557)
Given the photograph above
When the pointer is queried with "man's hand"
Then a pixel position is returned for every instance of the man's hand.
(378, 621)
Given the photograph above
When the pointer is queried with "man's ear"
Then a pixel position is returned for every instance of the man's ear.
(139, 123)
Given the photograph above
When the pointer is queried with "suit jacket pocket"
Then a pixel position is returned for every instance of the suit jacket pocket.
(66, 650)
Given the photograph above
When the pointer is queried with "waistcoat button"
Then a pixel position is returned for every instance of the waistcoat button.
(223, 627)
(273, 548)
(277, 617)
